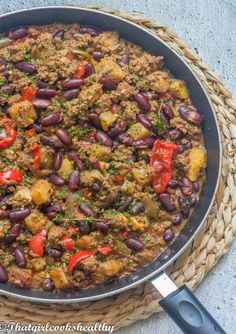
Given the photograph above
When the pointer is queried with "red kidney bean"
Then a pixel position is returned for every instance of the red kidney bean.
(84, 227)
(188, 145)
(134, 244)
(59, 33)
(168, 235)
(19, 258)
(181, 149)
(62, 134)
(165, 120)
(95, 187)
(136, 208)
(89, 69)
(42, 84)
(46, 92)
(71, 84)
(143, 118)
(54, 252)
(125, 203)
(123, 139)
(41, 103)
(47, 141)
(52, 119)
(5, 73)
(190, 115)
(48, 285)
(196, 186)
(176, 219)
(192, 200)
(7, 90)
(55, 207)
(52, 214)
(16, 215)
(173, 184)
(56, 180)
(124, 60)
(17, 33)
(77, 162)
(103, 138)
(14, 232)
(57, 161)
(88, 211)
(167, 111)
(107, 83)
(26, 67)
(70, 94)
(2, 62)
(97, 55)
(184, 209)
(3, 274)
(94, 118)
(38, 128)
(74, 180)
(175, 134)
(3, 214)
(167, 202)
(93, 31)
(186, 186)
(143, 102)
(101, 227)
(117, 128)
(5, 199)
(110, 200)
(144, 142)
(115, 143)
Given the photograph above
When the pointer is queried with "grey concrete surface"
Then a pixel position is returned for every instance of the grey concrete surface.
(209, 27)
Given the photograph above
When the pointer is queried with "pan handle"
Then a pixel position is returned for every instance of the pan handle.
(185, 309)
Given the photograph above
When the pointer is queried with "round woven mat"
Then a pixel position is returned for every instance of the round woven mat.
(206, 250)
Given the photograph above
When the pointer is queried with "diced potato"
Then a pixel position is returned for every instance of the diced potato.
(107, 119)
(159, 81)
(151, 206)
(138, 131)
(139, 223)
(41, 191)
(109, 68)
(59, 278)
(197, 159)
(22, 195)
(35, 222)
(111, 267)
(23, 113)
(38, 264)
(142, 176)
(46, 157)
(91, 94)
(88, 177)
(128, 187)
(179, 89)
(122, 249)
(37, 279)
(108, 40)
(66, 168)
(20, 277)
(87, 241)
(118, 219)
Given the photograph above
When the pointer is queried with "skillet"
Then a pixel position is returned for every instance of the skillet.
(180, 303)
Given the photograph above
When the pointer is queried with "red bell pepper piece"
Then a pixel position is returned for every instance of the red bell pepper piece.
(119, 178)
(10, 133)
(29, 94)
(161, 181)
(113, 108)
(67, 243)
(106, 250)
(36, 244)
(30, 133)
(35, 149)
(125, 234)
(80, 71)
(77, 258)
(17, 41)
(11, 177)
(161, 163)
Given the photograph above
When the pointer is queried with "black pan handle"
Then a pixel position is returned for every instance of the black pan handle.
(189, 314)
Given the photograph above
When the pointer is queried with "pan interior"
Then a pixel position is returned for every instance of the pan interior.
(179, 69)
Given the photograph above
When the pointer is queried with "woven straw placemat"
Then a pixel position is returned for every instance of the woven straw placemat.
(211, 244)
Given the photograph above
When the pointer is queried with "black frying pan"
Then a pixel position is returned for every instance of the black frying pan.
(180, 303)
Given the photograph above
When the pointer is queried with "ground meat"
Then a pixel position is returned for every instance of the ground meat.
(55, 232)
(21, 277)
(90, 264)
